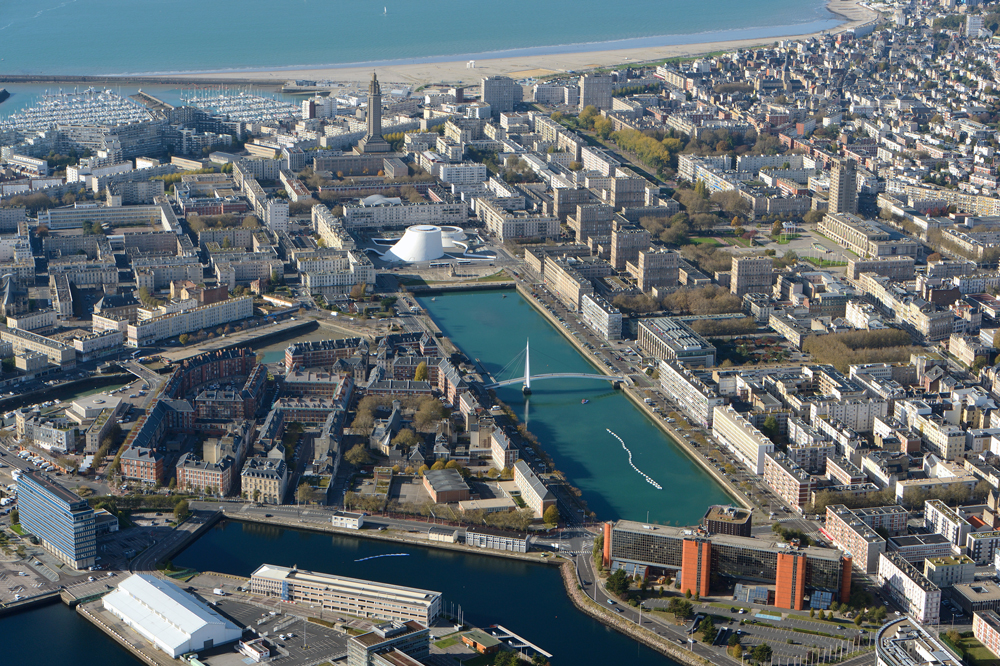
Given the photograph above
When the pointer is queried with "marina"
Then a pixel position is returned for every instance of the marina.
(241, 104)
(87, 107)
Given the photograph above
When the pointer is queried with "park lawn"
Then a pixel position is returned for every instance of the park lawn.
(448, 641)
(17, 528)
(823, 263)
(499, 276)
(413, 282)
(742, 242)
(786, 239)
(702, 240)
(980, 656)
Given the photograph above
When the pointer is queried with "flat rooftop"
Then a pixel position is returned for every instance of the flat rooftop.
(750, 543)
(728, 514)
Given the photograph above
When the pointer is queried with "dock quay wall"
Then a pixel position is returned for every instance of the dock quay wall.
(120, 639)
(20, 605)
(590, 607)
(383, 536)
(191, 537)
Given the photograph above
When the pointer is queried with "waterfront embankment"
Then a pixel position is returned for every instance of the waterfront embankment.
(410, 538)
(648, 638)
(251, 337)
(635, 395)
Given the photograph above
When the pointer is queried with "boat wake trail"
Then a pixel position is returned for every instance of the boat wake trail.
(641, 473)
(375, 557)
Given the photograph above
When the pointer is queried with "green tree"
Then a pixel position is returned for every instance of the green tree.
(681, 608)
(358, 455)
(551, 515)
(423, 470)
(770, 427)
(15, 517)
(734, 640)
(707, 629)
(507, 658)
(761, 653)
(181, 510)
(421, 374)
(618, 584)
(173, 483)
(438, 465)
(183, 339)
(406, 438)
(305, 493)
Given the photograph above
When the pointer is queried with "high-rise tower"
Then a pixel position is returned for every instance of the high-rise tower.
(843, 187)
(373, 141)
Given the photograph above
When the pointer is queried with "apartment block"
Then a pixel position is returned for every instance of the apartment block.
(603, 317)
(166, 326)
(691, 391)
(747, 443)
(941, 519)
(986, 629)
(907, 587)
(852, 535)
(751, 275)
(533, 491)
(789, 481)
(949, 571)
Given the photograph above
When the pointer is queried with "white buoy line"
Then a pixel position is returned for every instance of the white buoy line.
(641, 473)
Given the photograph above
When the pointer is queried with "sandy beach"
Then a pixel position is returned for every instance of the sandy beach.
(457, 72)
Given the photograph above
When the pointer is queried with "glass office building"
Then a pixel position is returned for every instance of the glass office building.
(62, 521)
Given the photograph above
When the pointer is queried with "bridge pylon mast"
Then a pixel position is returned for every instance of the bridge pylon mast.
(526, 389)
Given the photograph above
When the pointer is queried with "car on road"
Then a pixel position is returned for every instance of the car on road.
(267, 515)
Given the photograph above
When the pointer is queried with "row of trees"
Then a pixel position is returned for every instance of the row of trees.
(841, 350)
(709, 327)
(199, 223)
(710, 299)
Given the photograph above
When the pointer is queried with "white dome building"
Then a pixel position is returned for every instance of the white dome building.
(452, 238)
(421, 242)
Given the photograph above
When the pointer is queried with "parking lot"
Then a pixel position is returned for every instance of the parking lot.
(116, 549)
(778, 630)
(21, 579)
(304, 643)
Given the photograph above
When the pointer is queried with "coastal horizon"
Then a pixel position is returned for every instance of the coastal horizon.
(539, 60)
(852, 13)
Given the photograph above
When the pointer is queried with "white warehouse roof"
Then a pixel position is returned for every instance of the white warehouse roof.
(171, 619)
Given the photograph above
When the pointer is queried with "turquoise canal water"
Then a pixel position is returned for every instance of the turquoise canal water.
(493, 329)
(529, 599)
(142, 36)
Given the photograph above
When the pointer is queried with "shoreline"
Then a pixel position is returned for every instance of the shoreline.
(851, 12)
(454, 69)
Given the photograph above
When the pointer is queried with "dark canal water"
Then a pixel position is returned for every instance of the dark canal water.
(529, 599)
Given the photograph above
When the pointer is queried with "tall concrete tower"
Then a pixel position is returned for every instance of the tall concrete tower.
(373, 141)
(843, 187)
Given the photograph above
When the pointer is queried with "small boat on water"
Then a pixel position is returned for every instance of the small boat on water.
(584, 401)
(505, 295)
(434, 299)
